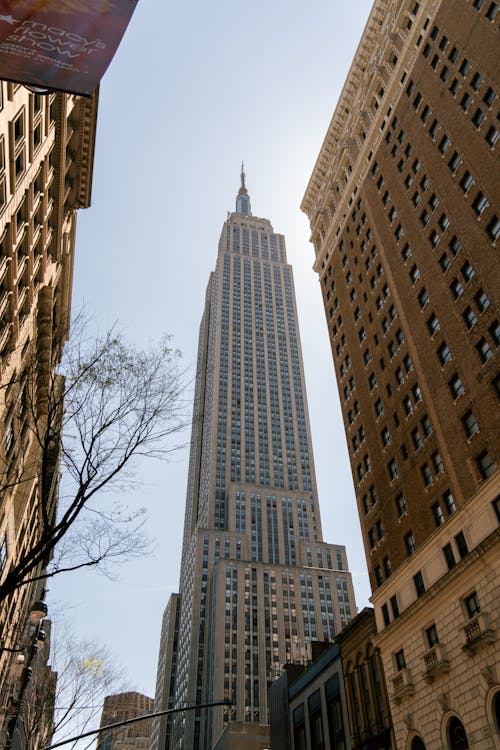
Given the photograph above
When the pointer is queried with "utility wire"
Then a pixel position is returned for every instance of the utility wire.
(137, 718)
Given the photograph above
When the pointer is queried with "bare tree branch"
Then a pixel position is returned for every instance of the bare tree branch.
(107, 404)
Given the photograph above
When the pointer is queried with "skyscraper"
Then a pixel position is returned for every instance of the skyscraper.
(257, 582)
(403, 204)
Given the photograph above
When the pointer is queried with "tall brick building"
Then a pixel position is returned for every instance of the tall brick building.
(404, 212)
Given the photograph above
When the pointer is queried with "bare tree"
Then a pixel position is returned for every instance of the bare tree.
(91, 417)
(65, 697)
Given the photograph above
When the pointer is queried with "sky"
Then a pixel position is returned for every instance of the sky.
(194, 89)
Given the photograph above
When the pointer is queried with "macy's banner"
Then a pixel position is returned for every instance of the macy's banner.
(64, 45)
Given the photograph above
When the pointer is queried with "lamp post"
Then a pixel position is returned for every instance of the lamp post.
(38, 611)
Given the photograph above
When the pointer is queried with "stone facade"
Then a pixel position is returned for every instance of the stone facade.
(46, 160)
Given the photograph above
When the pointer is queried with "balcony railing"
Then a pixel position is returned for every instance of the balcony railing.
(402, 684)
(436, 662)
(478, 631)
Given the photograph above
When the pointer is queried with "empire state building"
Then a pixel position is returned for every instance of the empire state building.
(257, 581)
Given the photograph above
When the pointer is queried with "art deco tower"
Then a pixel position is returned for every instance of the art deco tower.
(257, 581)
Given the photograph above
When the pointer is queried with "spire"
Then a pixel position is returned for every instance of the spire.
(243, 199)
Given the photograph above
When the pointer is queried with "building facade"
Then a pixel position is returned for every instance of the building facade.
(308, 706)
(370, 723)
(257, 580)
(165, 675)
(46, 159)
(405, 220)
(120, 707)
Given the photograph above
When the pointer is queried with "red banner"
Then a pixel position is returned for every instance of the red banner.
(64, 45)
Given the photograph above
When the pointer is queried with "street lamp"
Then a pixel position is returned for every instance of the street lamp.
(38, 611)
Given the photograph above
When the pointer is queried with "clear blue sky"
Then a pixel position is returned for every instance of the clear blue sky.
(195, 88)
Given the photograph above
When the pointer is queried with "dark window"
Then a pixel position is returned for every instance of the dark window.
(485, 464)
(461, 543)
(418, 581)
(401, 504)
(385, 614)
(438, 514)
(431, 636)
(456, 386)
(410, 543)
(399, 659)
(449, 556)
(394, 606)
(472, 606)
(469, 423)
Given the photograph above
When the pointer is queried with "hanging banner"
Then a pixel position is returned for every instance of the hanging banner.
(63, 45)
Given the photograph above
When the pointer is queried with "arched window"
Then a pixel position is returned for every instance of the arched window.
(417, 743)
(457, 738)
(496, 710)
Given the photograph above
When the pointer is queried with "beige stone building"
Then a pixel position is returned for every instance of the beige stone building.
(46, 158)
(405, 220)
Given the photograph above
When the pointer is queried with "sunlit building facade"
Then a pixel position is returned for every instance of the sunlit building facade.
(257, 583)
(46, 160)
(403, 204)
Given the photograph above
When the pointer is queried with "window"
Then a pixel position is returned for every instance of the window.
(484, 350)
(438, 514)
(387, 567)
(494, 330)
(465, 102)
(378, 407)
(454, 162)
(431, 636)
(418, 581)
(438, 463)
(456, 288)
(469, 318)
(480, 203)
(417, 438)
(449, 556)
(423, 297)
(444, 262)
(449, 502)
(426, 475)
(433, 324)
(485, 464)
(472, 606)
(371, 537)
(392, 468)
(481, 300)
(410, 545)
(443, 353)
(414, 274)
(461, 543)
(456, 386)
(399, 660)
(401, 504)
(478, 118)
(378, 575)
(385, 437)
(426, 425)
(469, 423)
(492, 136)
(385, 615)
(493, 229)
(444, 143)
(466, 181)
(394, 606)
(3, 553)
